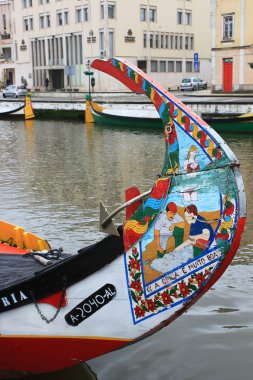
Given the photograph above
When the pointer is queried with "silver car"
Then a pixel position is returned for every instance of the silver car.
(14, 91)
(193, 83)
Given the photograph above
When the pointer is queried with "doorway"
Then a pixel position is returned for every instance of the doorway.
(227, 75)
(56, 78)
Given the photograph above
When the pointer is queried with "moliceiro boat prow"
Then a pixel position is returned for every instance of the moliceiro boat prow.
(178, 239)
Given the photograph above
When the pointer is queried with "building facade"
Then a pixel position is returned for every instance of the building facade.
(56, 39)
(7, 69)
(232, 45)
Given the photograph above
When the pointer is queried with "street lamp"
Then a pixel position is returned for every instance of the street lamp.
(89, 73)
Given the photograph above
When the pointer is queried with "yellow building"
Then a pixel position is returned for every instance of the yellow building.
(56, 39)
(232, 45)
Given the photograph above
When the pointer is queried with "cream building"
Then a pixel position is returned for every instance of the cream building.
(56, 39)
(232, 45)
(6, 45)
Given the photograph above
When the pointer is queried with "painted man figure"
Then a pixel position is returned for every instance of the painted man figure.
(164, 228)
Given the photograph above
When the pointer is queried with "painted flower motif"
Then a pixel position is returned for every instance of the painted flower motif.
(139, 312)
(151, 305)
(160, 300)
(135, 265)
(134, 250)
(200, 278)
(184, 291)
(136, 285)
(166, 298)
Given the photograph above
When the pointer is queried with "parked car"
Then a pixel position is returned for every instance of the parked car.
(193, 83)
(14, 91)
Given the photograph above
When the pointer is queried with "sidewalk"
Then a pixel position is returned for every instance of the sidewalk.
(135, 97)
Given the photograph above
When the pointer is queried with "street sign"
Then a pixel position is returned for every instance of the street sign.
(196, 57)
(196, 66)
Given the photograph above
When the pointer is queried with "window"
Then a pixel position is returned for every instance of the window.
(111, 43)
(101, 40)
(42, 21)
(78, 15)
(26, 26)
(4, 22)
(62, 17)
(167, 41)
(48, 24)
(180, 17)
(152, 14)
(111, 11)
(162, 66)
(181, 42)
(188, 18)
(186, 43)
(66, 17)
(172, 41)
(179, 66)
(162, 41)
(41, 2)
(59, 19)
(102, 11)
(188, 66)
(176, 42)
(151, 39)
(27, 3)
(157, 41)
(154, 66)
(145, 40)
(192, 42)
(27, 23)
(171, 66)
(85, 14)
(228, 27)
(143, 14)
(82, 14)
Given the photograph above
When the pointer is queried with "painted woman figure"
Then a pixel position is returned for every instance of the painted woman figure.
(191, 165)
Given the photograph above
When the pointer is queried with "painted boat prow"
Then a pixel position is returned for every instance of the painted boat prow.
(177, 118)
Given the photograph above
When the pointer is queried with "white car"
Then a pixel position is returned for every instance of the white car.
(193, 83)
(14, 91)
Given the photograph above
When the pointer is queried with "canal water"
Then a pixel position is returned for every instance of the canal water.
(53, 175)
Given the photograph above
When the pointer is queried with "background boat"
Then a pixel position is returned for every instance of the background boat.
(147, 117)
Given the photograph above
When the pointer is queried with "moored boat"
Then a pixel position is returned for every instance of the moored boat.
(172, 248)
(13, 110)
(149, 118)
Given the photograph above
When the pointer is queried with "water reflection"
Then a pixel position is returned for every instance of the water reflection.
(53, 175)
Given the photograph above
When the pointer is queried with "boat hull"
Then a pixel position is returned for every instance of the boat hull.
(167, 254)
(119, 118)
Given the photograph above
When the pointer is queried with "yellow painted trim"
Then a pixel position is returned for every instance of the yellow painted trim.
(63, 337)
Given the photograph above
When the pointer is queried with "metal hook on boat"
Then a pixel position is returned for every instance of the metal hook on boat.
(106, 223)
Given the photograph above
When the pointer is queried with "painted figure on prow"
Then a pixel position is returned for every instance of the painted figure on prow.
(191, 165)
(164, 228)
(201, 233)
